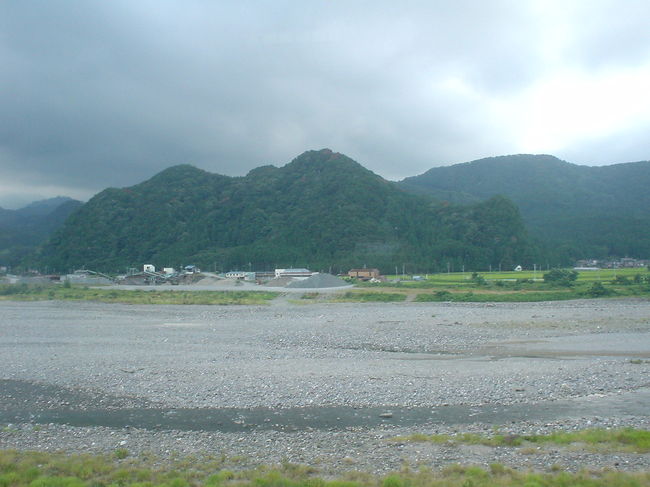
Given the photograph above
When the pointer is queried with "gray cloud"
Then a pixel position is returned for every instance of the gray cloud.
(98, 94)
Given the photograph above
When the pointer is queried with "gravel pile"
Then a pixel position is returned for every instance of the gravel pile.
(320, 280)
(87, 280)
(279, 282)
(207, 281)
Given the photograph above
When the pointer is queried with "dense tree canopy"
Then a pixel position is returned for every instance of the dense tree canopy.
(573, 211)
(322, 211)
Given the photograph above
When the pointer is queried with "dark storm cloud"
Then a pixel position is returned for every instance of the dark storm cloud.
(98, 94)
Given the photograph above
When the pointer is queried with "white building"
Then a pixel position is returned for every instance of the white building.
(302, 272)
(245, 275)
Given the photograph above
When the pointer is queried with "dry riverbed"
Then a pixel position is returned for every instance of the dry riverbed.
(324, 384)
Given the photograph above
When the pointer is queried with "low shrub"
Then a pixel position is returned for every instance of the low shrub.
(597, 290)
(561, 277)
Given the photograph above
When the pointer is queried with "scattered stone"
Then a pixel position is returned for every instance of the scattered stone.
(388, 357)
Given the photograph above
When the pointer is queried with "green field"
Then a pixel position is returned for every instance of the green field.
(464, 278)
(513, 286)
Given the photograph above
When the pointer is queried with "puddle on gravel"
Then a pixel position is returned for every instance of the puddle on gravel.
(305, 419)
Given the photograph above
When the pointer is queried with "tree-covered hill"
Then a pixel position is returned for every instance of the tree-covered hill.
(22, 230)
(575, 211)
(322, 211)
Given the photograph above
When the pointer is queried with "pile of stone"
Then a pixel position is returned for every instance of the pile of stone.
(280, 282)
(321, 280)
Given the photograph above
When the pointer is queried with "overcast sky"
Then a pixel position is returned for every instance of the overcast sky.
(107, 93)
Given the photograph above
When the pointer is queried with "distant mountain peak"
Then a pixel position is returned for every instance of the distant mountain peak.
(514, 160)
(177, 173)
(180, 169)
(316, 157)
(328, 161)
(48, 203)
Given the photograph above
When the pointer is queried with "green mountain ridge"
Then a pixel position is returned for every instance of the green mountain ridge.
(573, 211)
(322, 210)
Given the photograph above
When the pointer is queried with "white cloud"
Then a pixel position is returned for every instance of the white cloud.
(569, 106)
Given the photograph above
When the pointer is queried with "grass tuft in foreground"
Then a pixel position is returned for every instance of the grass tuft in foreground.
(23, 292)
(622, 440)
(38, 469)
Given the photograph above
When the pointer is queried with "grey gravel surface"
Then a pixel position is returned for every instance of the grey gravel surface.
(439, 355)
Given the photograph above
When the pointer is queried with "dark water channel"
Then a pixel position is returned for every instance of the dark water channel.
(18, 408)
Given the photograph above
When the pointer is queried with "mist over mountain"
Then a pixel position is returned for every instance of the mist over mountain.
(24, 229)
(573, 211)
(322, 210)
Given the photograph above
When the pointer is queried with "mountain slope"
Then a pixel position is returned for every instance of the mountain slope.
(321, 210)
(576, 211)
(22, 230)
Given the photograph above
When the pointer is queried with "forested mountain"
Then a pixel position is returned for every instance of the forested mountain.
(322, 211)
(574, 211)
(22, 230)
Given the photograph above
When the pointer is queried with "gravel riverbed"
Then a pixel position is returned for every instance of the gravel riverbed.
(560, 365)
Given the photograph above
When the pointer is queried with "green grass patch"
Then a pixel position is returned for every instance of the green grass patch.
(369, 297)
(498, 297)
(463, 439)
(310, 296)
(36, 469)
(621, 440)
(21, 292)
